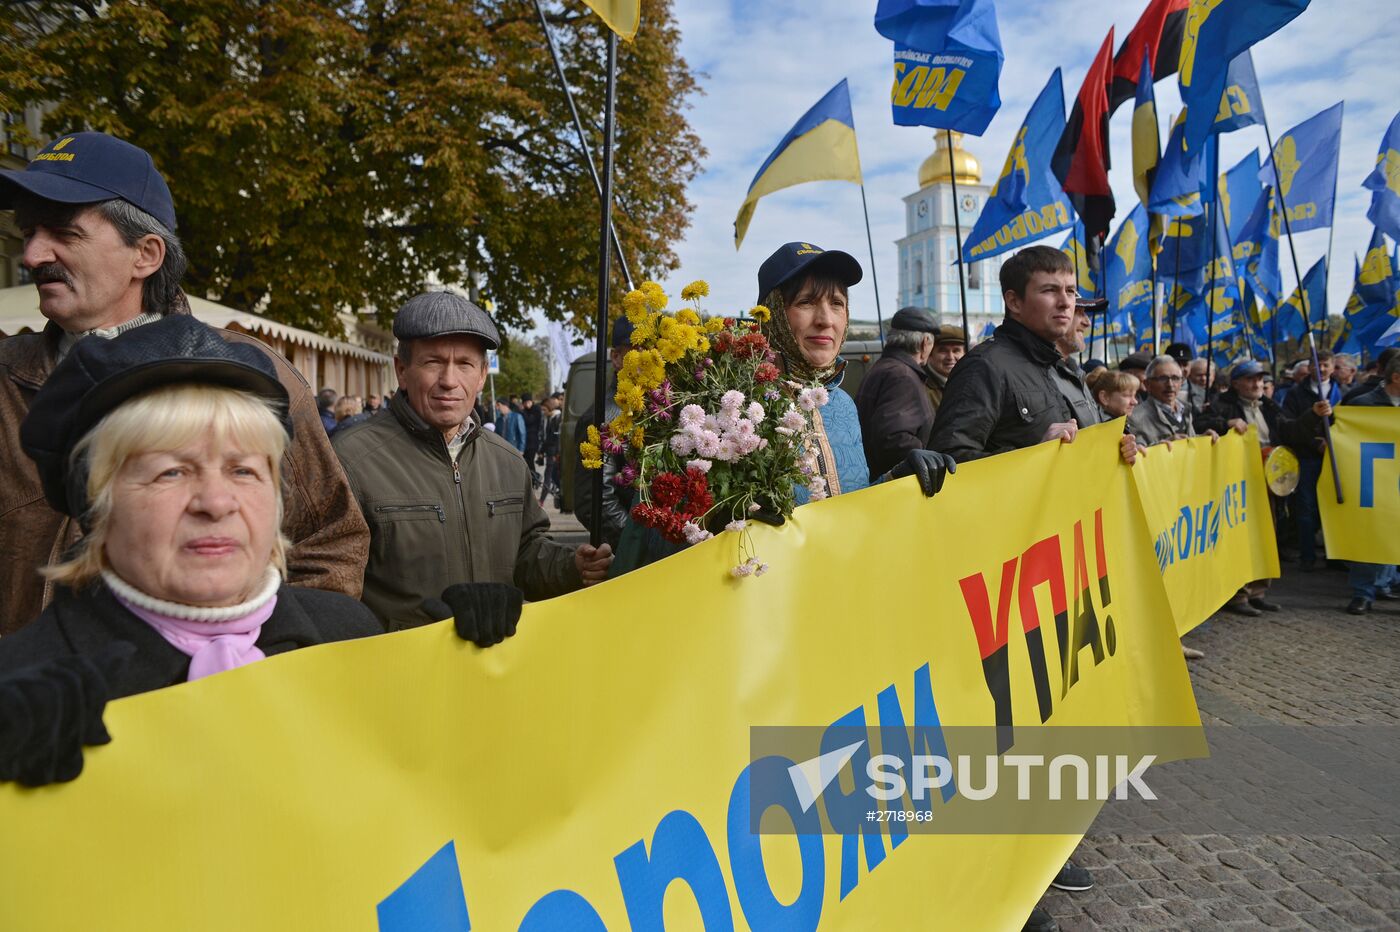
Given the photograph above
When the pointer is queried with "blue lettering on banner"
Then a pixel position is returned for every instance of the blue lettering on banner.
(1196, 531)
(1370, 452)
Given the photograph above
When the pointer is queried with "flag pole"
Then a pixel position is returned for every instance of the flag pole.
(1212, 166)
(600, 372)
(1156, 312)
(874, 279)
(1307, 313)
(583, 141)
(1176, 283)
(957, 231)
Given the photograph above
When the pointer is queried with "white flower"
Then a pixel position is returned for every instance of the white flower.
(817, 486)
(694, 533)
(727, 450)
(807, 400)
(786, 431)
(683, 442)
(744, 427)
(692, 416)
(740, 571)
(760, 569)
(753, 506)
(702, 465)
(708, 444)
(731, 401)
(736, 525)
(820, 394)
(755, 412)
(793, 420)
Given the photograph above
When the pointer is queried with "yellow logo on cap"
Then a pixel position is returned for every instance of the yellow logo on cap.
(53, 155)
(808, 249)
(61, 144)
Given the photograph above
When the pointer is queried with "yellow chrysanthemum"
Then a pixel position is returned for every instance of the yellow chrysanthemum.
(638, 438)
(655, 297)
(629, 398)
(621, 425)
(670, 350)
(688, 317)
(696, 289)
(635, 306)
(761, 314)
(714, 325)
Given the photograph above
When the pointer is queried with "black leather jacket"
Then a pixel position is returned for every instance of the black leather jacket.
(1001, 396)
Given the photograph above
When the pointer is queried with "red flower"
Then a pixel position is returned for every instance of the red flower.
(667, 490)
(766, 372)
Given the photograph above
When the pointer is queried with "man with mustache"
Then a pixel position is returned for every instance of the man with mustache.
(99, 225)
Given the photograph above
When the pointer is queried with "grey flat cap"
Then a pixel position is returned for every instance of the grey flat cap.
(912, 318)
(439, 313)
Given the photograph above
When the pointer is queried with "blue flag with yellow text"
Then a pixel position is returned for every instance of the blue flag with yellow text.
(1176, 188)
(1216, 32)
(1128, 268)
(1306, 307)
(1027, 201)
(1306, 158)
(947, 62)
(821, 146)
(1085, 274)
(1384, 183)
(1241, 105)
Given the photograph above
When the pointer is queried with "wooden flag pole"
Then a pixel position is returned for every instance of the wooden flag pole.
(600, 373)
(957, 232)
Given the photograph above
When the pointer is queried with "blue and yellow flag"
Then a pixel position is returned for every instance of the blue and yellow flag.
(1128, 271)
(1384, 183)
(1375, 278)
(1352, 318)
(820, 147)
(1240, 192)
(622, 16)
(1027, 201)
(1257, 244)
(1084, 273)
(1241, 105)
(1306, 307)
(1217, 31)
(947, 62)
(1176, 188)
(1304, 167)
(1147, 136)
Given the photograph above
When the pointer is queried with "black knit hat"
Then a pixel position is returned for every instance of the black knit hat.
(98, 375)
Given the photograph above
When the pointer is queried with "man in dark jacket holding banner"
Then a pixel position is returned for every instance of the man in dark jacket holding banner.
(895, 411)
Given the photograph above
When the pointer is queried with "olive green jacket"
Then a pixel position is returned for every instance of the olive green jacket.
(432, 524)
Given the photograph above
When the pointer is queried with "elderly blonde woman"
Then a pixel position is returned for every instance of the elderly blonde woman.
(165, 444)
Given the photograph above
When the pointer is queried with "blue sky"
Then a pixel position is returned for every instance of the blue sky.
(764, 62)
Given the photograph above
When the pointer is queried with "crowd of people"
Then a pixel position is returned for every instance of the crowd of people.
(179, 503)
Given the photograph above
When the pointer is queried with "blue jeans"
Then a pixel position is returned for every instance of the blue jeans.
(1366, 578)
(1309, 470)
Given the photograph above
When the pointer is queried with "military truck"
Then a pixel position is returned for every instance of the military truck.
(578, 397)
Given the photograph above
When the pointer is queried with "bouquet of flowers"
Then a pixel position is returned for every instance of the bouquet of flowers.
(711, 432)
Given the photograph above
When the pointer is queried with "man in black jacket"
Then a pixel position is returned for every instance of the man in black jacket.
(893, 404)
(1371, 581)
(534, 429)
(1005, 394)
(1244, 406)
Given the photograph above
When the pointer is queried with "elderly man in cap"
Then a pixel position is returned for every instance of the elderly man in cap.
(949, 345)
(99, 242)
(1239, 408)
(1164, 416)
(448, 502)
(894, 408)
(1070, 379)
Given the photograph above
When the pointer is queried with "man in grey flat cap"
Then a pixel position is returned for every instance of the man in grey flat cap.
(448, 502)
(895, 411)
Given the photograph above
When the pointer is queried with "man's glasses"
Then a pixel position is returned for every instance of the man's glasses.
(1174, 379)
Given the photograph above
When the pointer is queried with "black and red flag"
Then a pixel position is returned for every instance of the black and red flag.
(1159, 31)
(1080, 161)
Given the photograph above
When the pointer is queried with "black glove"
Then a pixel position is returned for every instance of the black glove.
(764, 516)
(484, 613)
(930, 466)
(49, 711)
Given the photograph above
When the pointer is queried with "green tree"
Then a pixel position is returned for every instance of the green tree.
(327, 156)
(523, 369)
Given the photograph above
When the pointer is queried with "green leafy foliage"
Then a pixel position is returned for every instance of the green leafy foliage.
(328, 156)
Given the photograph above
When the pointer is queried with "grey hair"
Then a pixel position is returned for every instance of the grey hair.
(907, 341)
(160, 292)
(1157, 362)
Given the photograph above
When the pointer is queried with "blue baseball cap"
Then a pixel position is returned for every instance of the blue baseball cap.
(1246, 369)
(82, 168)
(794, 259)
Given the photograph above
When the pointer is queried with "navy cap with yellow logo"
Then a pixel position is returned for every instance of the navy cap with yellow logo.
(82, 168)
(794, 259)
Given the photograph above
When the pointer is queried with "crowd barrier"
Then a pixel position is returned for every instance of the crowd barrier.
(593, 771)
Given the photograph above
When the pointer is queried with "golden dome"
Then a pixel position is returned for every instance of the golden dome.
(935, 167)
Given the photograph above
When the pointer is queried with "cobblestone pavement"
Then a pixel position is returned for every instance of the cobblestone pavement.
(1310, 664)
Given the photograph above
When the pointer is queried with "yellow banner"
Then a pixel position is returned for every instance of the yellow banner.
(1365, 528)
(562, 779)
(622, 16)
(1210, 522)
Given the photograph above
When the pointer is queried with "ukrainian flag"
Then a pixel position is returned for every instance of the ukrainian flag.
(820, 147)
(622, 16)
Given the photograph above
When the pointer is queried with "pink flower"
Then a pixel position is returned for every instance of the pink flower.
(694, 533)
(793, 420)
(708, 444)
(755, 411)
(702, 465)
(736, 525)
(727, 450)
(731, 401)
(740, 571)
(692, 415)
(683, 443)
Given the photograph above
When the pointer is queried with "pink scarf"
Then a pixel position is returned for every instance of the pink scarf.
(214, 645)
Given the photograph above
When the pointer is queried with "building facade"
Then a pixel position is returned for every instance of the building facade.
(928, 270)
